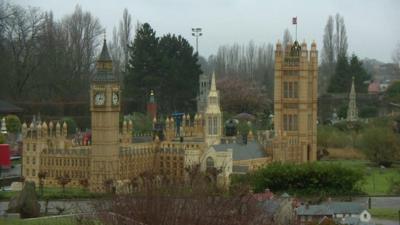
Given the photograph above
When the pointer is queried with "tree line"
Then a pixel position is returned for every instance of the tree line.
(42, 58)
(47, 63)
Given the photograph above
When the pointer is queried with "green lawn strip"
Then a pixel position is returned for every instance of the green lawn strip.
(377, 180)
(385, 213)
(55, 193)
(39, 221)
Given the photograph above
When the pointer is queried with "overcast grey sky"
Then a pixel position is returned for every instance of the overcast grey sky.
(373, 27)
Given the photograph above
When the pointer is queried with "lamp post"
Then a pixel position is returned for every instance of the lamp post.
(196, 32)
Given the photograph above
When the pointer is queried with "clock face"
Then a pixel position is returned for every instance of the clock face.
(115, 98)
(99, 98)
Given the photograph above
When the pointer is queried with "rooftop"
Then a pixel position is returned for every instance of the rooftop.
(251, 150)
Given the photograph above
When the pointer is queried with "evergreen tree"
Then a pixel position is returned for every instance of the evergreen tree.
(143, 72)
(340, 78)
(360, 75)
(166, 65)
(344, 71)
(180, 74)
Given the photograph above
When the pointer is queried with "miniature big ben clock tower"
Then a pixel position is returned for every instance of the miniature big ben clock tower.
(105, 108)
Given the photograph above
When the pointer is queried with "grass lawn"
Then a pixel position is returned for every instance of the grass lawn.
(55, 193)
(39, 221)
(377, 180)
(385, 213)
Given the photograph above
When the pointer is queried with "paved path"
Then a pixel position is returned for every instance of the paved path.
(385, 222)
(380, 202)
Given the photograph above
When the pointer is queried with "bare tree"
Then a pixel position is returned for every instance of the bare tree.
(328, 56)
(238, 95)
(126, 35)
(122, 37)
(328, 49)
(22, 28)
(334, 45)
(82, 31)
(116, 53)
(287, 38)
(42, 176)
(341, 44)
(63, 181)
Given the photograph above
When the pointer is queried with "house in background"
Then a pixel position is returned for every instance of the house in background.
(348, 213)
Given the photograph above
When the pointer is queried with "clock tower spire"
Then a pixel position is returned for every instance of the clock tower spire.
(105, 109)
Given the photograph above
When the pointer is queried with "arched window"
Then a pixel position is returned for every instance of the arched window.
(210, 128)
(209, 162)
(215, 125)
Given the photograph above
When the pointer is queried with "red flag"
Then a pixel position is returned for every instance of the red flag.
(294, 20)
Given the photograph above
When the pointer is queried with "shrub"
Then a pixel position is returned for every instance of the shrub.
(13, 124)
(368, 111)
(331, 137)
(307, 179)
(381, 145)
(142, 123)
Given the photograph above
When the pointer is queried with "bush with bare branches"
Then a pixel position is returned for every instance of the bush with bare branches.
(198, 202)
(63, 181)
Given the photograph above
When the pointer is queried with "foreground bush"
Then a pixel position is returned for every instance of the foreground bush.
(306, 179)
(181, 204)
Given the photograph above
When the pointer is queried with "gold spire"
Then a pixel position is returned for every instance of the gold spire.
(213, 86)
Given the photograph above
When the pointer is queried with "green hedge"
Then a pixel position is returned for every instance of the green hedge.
(305, 179)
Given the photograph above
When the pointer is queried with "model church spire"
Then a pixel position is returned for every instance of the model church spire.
(212, 115)
(352, 112)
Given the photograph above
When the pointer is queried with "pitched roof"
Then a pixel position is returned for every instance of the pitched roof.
(314, 210)
(251, 150)
(346, 207)
(6, 107)
(331, 208)
(104, 55)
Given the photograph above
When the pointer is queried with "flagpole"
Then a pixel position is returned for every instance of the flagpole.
(296, 28)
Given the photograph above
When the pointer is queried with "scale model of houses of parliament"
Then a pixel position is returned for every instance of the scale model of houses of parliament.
(115, 156)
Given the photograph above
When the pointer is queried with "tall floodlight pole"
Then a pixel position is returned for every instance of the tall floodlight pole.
(196, 32)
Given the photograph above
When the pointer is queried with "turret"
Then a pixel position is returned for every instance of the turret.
(58, 129)
(44, 130)
(24, 130)
(65, 129)
(31, 129)
(124, 127)
(304, 52)
(51, 126)
(314, 54)
(288, 47)
(130, 127)
(39, 131)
